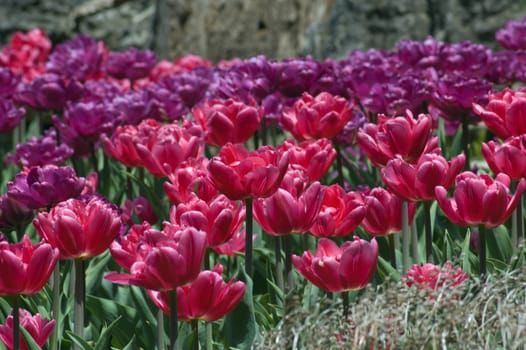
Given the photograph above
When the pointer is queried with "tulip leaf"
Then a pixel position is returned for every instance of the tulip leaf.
(456, 144)
(132, 345)
(95, 269)
(499, 244)
(103, 342)
(84, 345)
(239, 328)
(30, 342)
(386, 271)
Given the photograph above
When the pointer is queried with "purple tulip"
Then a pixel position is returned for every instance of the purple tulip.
(131, 64)
(39, 151)
(10, 115)
(298, 75)
(100, 90)
(14, 214)
(465, 57)
(45, 186)
(513, 35)
(8, 82)
(421, 54)
(79, 58)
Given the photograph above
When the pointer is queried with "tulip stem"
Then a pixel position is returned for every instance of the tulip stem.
(160, 330)
(287, 245)
(80, 295)
(56, 305)
(339, 165)
(94, 162)
(173, 320)
(195, 331)
(209, 336)
(406, 236)
(428, 231)
(414, 243)
(248, 236)
(16, 323)
(279, 264)
(482, 252)
(520, 222)
(345, 300)
(466, 143)
(392, 250)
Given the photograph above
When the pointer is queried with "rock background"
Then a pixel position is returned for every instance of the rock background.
(222, 29)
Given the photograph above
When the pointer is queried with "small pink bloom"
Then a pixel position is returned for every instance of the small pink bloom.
(434, 276)
(315, 157)
(508, 158)
(39, 329)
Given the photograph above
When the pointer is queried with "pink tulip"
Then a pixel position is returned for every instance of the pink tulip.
(292, 208)
(416, 182)
(340, 213)
(480, 200)
(207, 298)
(164, 260)
(26, 267)
(228, 120)
(336, 269)
(141, 207)
(315, 157)
(323, 116)
(405, 137)
(39, 329)
(508, 158)
(239, 174)
(429, 276)
(80, 228)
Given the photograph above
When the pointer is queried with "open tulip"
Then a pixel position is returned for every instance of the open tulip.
(340, 213)
(292, 208)
(131, 64)
(239, 174)
(416, 182)
(315, 157)
(164, 262)
(191, 175)
(39, 329)
(207, 298)
(508, 158)
(26, 267)
(480, 200)
(405, 137)
(336, 269)
(323, 116)
(434, 276)
(80, 228)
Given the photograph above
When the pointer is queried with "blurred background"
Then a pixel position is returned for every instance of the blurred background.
(224, 29)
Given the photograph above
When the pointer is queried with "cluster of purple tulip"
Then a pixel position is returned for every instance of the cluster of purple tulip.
(214, 137)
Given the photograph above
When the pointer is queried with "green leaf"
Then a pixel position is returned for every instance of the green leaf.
(103, 342)
(386, 270)
(79, 341)
(95, 270)
(30, 342)
(239, 329)
(131, 345)
(499, 244)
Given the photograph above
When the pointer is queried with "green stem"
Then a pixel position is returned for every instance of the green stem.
(56, 305)
(520, 222)
(428, 231)
(466, 143)
(345, 299)
(248, 236)
(287, 245)
(406, 236)
(16, 323)
(160, 330)
(482, 252)
(279, 263)
(80, 296)
(392, 250)
(94, 162)
(414, 243)
(195, 331)
(339, 165)
(173, 320)
(209, 337)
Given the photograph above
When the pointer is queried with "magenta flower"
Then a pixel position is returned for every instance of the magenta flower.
(40, 329)
(429, 276)
(131, 64)
(314, 157)
(508, 158)
(513, 35)
(10, 115)
(141, 208)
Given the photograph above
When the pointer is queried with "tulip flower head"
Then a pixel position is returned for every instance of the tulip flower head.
(315, 157)
(508, 158)
(131, 64)
(80, 228)
(434, 276)
(10, 115)
(336, 269)
(323, 116)
(190, 177)
(40, 329)
(207, 298)
(480, 200)
(513, 35)
(239, 174)
(141, 208)
(29, 266)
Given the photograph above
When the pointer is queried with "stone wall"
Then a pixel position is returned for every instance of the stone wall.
(220, 29)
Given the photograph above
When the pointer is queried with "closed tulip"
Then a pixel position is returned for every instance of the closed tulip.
(405, 137)
(323, 116)
(163, 261)
(508, 158)
(315, 157)
(38, 328)
(336, 269)
(480, 200)
(26, 267)
(292, 209)
(228, 120)
(80, 228)
(416, 182)
(239, 174)
(207, 298)
(340, 213)
(504, 113)
(383, 215)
